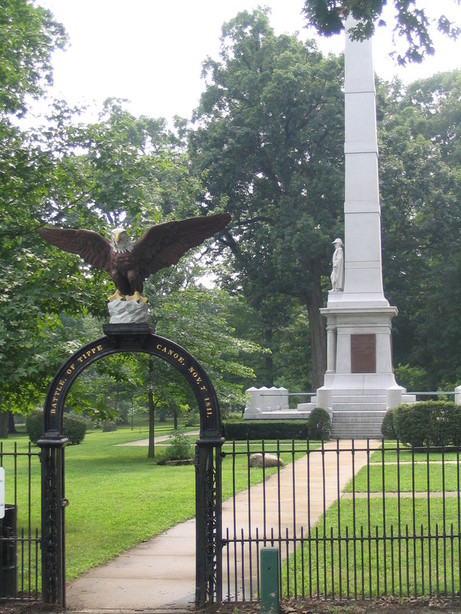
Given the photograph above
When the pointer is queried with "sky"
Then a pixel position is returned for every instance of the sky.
(150, 52)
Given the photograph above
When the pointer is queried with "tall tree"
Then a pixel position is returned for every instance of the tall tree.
(28, 36)
(118, 170)
(412, 23)
(268, 142)
(419, 127)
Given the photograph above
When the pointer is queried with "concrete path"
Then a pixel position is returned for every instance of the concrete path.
(159, 575)
(144, 443)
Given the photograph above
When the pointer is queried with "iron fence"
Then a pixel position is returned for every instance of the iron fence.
(351, 520)
(19, 537)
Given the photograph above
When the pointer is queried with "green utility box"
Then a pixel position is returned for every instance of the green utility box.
(269, 565)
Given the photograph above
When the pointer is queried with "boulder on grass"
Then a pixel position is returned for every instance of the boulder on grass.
(267, 460)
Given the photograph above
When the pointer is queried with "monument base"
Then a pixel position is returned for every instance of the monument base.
(359, 411)
(128, 312)
(359, 385)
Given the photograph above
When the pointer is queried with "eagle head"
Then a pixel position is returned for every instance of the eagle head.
(121, 241)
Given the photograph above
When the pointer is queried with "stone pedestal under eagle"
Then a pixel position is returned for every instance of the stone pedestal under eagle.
(129, 264)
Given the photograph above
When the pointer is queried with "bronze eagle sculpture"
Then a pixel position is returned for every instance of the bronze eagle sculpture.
(129, 264)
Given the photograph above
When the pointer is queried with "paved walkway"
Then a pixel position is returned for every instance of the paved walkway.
(159, 575)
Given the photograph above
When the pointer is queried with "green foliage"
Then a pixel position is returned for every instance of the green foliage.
(428, 423)
(201, 321)
(34, 425)
(28, 36)
(268, 147)
(74, 427)
(108, 426)
(233, 418)
(108, 485)
(319, 424)
(412, 378)
(265, 429)
(412, 23)
(272, 429)
(179, 448)
(420, 166)
(387, 426)
(268, 144)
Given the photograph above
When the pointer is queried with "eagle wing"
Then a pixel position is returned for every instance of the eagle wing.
(89, 245)
(164, 244)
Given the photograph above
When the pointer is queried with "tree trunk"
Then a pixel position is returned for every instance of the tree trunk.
(11, 426)
(3, 425)
(318, 337)
(175, 420)
(150, 396)
(151, 450)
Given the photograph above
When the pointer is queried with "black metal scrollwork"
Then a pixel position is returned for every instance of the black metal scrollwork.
(122, 338)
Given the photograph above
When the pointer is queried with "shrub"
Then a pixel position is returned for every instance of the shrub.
(233, 417)
(34, 426)
(180, 447)
(108, 426)
(193, 419)
(387, 426)
(443, 422)
(412, 378)
(411, 423)
(428, 423)
(74, 427)
(265, 429)
(319, 424)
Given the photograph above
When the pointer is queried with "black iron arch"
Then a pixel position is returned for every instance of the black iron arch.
(133, 338)
(140, 338)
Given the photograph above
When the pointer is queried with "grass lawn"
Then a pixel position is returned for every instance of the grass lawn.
(119, 498)
(361, 546)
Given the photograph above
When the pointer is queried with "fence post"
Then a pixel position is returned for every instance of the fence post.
(208, 519)
(270, 581)
(53, 505)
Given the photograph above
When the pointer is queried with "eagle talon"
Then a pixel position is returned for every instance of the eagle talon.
(138, 297)
(117, 296)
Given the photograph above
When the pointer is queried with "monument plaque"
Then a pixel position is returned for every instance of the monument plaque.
(363, 353)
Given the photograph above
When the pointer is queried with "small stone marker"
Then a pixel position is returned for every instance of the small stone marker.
(265, 460)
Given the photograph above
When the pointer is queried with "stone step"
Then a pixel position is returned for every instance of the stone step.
(356, 435)
(354, 424)
(362, 398)
(359, 407)
(355, 430)
(358, 416)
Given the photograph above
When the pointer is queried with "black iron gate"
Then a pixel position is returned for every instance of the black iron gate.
(133, 338)
(351, 520)
(19, 535)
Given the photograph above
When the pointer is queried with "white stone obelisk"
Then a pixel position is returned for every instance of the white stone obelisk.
(359, 383)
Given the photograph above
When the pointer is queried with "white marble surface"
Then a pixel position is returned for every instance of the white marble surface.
(128, 312)
(362, 308)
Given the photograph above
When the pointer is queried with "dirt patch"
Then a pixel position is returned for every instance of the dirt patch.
(387, 605)
(381, 606)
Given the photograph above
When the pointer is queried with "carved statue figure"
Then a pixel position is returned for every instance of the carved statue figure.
(129, 264)
(337, 273)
